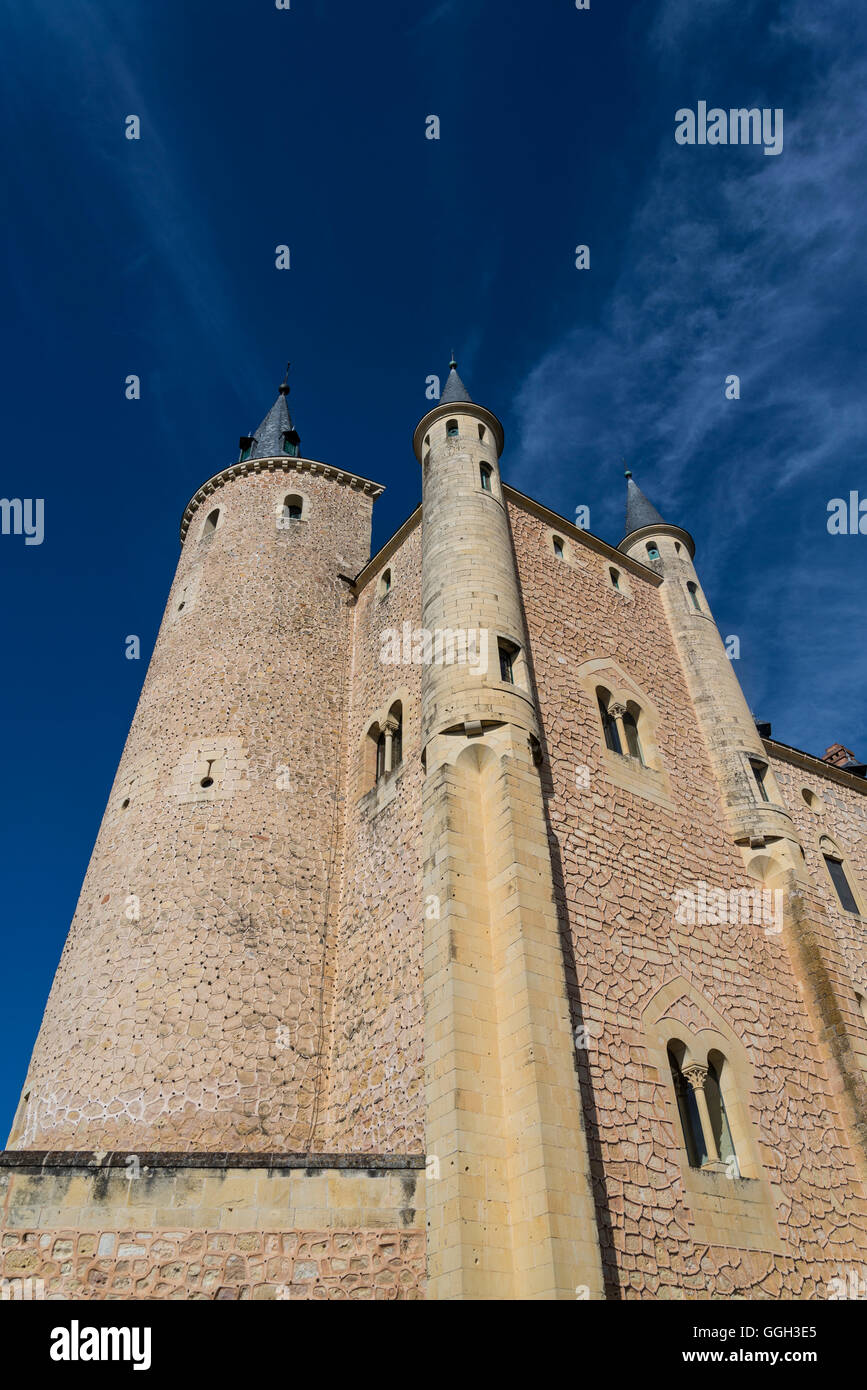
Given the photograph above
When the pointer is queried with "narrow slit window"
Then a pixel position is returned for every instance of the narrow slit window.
(690, 1120)
(719, 1120)
(507, 662)
(693, 593)
(211, 524)
(760, 772)
(558, 547)
(485, 472)
(841, 884)
(633, 742)
(615, 578)
(609, 726)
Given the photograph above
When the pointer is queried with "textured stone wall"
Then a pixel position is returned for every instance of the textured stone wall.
(620, 856)
(168, 1231)
(191, 1004)
(376, 1097)
(196, 1265)
(840, 812)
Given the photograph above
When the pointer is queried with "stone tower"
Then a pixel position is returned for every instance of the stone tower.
(758, 819)
(189, 1008)
(510, 1214)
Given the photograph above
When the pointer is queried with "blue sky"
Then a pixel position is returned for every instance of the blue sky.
(306, 127)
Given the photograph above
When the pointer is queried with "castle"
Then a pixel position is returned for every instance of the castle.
(452, 931)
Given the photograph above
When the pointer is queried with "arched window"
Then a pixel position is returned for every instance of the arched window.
(451, 428)
(716, 1106)
(384, 747)
(485, 471)
(693, 593)
(652, 550)
(481, 432)
(609, 723)
(380, 756)
(293, 508)
(615, 577)
(385, 583)
(838, 876)
(395, 715)
(633, 742)
(687, 1109)
(210, 525)
(701, 1107)
(558, 547)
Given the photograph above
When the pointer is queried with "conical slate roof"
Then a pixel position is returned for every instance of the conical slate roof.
(639, 512)
(278, 422)
(454, 389)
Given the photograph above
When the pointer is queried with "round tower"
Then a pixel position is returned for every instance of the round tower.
(469, 579)
(753, 803)
(189, 1007)
(510, 1214)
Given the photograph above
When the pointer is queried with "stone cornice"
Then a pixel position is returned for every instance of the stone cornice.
(283, 464)
(810, 763)
(41, 1160)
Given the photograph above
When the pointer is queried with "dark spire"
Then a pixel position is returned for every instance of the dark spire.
(276, 435)
(454, 389)
(639, 512)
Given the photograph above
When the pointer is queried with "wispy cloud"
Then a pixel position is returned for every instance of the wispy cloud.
(735, 264)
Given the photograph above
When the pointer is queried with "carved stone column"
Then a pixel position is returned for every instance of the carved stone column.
(696, 1075)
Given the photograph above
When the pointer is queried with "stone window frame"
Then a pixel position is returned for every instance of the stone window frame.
(624, 589)
(367, 783)
(204, 533)
(520, 672)
(701, 610)
(737, 1076)
(383, 589)
(649, 779)
(833, 850)
(813, 801)
(771, 785)
(493, 477)
(724, 1208)
(285, 524)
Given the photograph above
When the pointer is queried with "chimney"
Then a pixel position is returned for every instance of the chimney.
(838, 756)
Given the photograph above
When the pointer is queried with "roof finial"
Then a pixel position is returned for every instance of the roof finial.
(284, 385)
(453, 364)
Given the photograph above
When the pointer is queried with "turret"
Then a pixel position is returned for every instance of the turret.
(753, 803)
(469, 581)
(510, 1214)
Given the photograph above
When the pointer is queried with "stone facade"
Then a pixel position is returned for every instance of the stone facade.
(372, 943)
